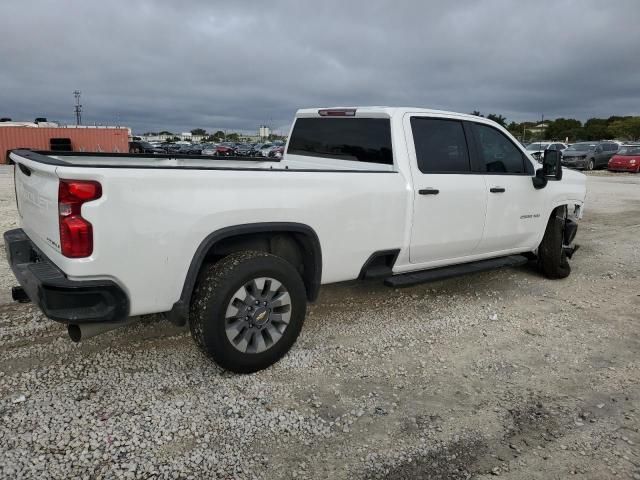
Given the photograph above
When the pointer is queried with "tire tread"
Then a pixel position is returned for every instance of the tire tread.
(212, 286)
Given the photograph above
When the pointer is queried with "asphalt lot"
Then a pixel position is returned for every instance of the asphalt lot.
(500, 373)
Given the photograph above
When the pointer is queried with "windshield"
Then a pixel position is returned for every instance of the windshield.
(629, 150)
(581, 147)
(537, 146)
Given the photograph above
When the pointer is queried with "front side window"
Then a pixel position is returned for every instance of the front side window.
(497, 153)
(355, 139)
(441, 146)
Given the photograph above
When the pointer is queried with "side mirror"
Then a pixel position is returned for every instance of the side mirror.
(552, 165)
(598, 149)
(551, 169)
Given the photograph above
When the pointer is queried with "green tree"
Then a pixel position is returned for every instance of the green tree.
(477, 113)
(218, 136)
(627, 128)
(198, 131)
(561, 128)
(498, 119)
(165, 132)
(233, 137)
(596, 129)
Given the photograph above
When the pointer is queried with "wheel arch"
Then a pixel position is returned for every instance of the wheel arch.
(296, 242)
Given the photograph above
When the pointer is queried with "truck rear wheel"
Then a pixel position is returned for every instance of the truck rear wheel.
(552, 258)
(247, 310)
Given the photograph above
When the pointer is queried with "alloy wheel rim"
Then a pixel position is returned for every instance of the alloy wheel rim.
(258, 315)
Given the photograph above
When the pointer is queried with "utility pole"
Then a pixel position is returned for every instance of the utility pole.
(78, 107)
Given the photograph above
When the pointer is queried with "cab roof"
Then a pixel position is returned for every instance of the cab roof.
(369, 111)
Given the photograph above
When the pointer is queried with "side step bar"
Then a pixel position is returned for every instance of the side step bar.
(435, 274)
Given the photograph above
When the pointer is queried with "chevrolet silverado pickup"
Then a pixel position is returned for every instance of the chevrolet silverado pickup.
(236, 247)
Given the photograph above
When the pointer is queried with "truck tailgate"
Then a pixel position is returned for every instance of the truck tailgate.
(37, 199)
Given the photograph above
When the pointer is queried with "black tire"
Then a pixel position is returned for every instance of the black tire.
(215, 289)
(591, 165)
(552, 258)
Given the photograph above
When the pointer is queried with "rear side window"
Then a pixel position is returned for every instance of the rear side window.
(497, 152)
(355, 139)
(441, 146)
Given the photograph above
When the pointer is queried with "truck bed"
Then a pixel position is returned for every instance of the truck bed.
(128, 160)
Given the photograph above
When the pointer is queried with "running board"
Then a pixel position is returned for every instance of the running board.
(435, 274)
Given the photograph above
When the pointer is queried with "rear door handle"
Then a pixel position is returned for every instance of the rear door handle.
(497, 190)
(429, 191)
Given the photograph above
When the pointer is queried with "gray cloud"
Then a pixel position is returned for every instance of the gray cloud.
(171, 65)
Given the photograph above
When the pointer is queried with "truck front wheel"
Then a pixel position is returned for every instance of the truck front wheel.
(552, 257)
(247, 310)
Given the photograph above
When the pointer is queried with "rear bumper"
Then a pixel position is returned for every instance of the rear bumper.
(58, 297)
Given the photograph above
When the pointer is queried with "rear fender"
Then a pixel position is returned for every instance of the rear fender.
(312, 260)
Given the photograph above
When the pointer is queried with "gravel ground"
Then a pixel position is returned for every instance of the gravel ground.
(500, 373)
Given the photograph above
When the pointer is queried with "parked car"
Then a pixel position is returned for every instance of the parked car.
(244, 150)
(256, 148)
(194, 149)
(140, 146)
(208, 149)
(627, 159)
(169, 147)
(589, 155)
(603, 153)
(265, 149)
(537, 149)
(579, 155)
(244, 249)
(276, 152)
(225, 150)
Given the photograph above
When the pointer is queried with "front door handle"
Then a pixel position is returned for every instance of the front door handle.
(497, 190)
(429, 191)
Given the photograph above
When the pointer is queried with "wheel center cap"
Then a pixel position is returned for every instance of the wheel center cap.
(261, 316)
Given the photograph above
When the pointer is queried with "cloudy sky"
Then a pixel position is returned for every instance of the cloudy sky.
(178, 65)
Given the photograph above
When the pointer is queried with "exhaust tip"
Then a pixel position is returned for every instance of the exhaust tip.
(75, 334)
(19, 295)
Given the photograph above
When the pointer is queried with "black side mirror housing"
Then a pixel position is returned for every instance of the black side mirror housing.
(552, 164)
(551, 169)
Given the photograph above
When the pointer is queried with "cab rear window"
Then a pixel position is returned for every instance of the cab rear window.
(354, 139)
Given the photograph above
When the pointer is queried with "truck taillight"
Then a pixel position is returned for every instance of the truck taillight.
(76, 233)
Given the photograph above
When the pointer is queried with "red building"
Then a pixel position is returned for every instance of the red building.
(74, 138)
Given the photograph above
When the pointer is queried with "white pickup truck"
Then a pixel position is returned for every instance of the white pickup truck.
(237, 247)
